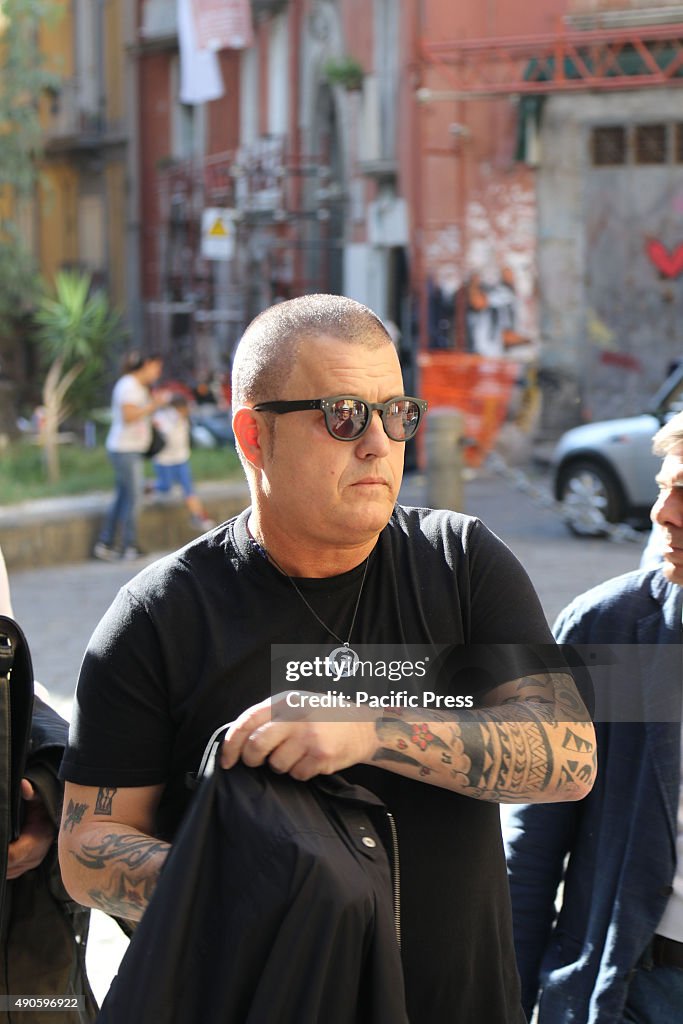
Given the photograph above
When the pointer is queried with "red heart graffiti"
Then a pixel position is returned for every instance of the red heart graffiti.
(670, 264)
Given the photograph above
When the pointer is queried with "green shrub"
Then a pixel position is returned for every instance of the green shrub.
(22, 470)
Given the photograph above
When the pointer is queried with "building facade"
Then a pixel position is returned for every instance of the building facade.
(501, 180)
(79, 216)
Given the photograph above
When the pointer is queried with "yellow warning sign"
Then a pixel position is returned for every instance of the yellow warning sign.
(218, 230)
(218, 233)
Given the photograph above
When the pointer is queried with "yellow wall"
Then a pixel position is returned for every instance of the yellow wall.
(115, 60)
(55, 36)
(62, 173)
(58, 218)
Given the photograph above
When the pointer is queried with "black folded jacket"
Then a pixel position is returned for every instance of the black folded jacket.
(275, 905)
(16, 704)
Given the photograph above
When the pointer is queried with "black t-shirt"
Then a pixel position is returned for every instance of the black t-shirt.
(197, 628)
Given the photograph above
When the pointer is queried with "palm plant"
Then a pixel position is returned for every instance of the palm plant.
(74, 331)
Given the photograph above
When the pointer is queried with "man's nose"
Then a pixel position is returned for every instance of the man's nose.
(374, 441)
(668, 508)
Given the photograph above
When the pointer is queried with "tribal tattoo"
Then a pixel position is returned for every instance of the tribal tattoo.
(124, 889)
(530, 744)
(131, 849)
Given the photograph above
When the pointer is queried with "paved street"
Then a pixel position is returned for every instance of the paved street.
(58, 608)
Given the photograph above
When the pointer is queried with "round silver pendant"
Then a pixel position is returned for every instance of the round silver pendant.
(343, 661)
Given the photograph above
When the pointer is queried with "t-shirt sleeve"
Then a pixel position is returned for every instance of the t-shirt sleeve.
(504, 605)
(130, 392)
(509, 636)
(120, 733)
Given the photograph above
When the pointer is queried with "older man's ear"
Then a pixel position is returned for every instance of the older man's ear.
(249, 429)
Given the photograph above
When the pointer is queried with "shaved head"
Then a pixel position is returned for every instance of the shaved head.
(271, 343)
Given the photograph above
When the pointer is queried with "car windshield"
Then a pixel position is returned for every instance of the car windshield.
(669, 399)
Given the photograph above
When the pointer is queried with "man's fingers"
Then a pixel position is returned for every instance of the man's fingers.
(240, 731)
(25, 854)
(260, 744)
(306, 768)
(285, 756)
(28, 793)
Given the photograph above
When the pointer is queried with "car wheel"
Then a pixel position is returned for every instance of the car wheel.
(591, 496)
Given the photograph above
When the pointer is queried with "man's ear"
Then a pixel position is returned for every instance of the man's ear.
(249, 429)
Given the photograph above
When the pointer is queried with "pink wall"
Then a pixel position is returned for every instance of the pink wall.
(155, 145)
(473, 206)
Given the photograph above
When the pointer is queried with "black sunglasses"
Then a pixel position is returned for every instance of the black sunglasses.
(348, 417)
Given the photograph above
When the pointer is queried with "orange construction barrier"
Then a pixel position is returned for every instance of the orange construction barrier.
(479, 386)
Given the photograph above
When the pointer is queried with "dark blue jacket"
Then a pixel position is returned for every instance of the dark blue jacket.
(621, 838)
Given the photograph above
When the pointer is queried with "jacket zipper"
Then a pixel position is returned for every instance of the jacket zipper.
(396, 878)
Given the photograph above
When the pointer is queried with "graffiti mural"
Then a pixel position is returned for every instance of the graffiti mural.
(633, 273)
(482, 292)
(480, 318)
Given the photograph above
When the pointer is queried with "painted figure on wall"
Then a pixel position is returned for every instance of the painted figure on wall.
(491, 317)
(483, 318)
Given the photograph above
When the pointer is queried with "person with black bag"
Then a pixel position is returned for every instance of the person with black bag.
(131, 437)
(43, 933)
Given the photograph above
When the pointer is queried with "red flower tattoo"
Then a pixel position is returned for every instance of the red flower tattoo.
(422, 736)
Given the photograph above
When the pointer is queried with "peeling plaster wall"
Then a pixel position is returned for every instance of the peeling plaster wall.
(499, 231)
(609, 318)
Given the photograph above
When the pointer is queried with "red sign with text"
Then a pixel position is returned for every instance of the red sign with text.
(222, 24)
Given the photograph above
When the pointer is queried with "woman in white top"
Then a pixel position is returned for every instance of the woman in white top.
(5, 599)
(129, 438)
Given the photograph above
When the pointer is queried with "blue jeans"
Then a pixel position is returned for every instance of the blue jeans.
(128, 479)
(655, 994)
(179, 473)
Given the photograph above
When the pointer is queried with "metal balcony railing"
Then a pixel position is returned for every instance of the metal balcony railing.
(76, 119)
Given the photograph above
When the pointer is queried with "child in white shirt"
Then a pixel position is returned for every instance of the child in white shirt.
(172, 463)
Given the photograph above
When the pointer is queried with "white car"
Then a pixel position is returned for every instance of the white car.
(605, 471)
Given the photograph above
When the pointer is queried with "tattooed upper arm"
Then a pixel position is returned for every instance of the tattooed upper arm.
(131, 806)
(109, 855)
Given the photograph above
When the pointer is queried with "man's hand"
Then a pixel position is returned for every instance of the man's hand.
(37, 835)
(304, 747)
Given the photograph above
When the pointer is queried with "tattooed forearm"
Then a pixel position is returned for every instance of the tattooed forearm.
(510, 759)
(537, 745)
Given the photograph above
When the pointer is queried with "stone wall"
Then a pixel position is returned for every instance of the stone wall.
(62, 531)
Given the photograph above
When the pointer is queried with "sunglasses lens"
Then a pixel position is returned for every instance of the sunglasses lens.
(401, 419)
(346, 418)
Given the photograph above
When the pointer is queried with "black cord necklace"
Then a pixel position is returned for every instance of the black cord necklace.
(345, 643)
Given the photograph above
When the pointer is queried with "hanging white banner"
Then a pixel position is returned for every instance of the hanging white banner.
(200, 73)
(222, 24)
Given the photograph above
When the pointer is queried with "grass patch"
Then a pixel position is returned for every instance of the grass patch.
(23, 475)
